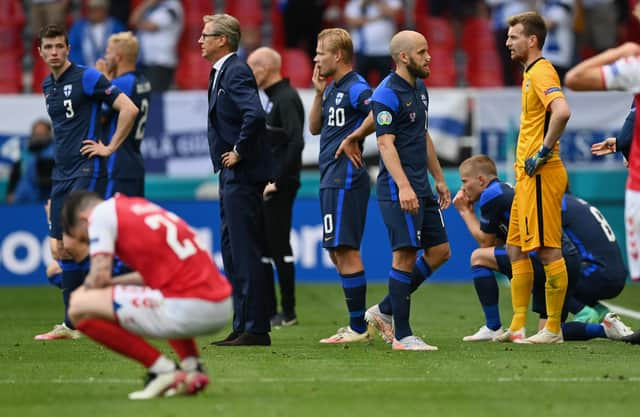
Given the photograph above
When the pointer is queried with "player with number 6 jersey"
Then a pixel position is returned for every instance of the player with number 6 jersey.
(179, 293)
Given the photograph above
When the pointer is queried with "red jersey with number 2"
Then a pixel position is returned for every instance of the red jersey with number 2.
(157, 244)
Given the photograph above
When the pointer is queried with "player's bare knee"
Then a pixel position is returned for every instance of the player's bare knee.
(438, 255)
(477, 257)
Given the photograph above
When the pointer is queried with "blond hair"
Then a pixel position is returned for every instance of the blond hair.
(228, 26)
(127, 44)
(337, 39)
(479, 164)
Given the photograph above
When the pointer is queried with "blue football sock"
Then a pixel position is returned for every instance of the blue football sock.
(399, 293)
(487, 290)
(421, 271)
(56, 279)
(355, 291)
(73, 275)
(575, 330)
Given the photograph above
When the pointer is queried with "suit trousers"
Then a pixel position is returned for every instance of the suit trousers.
(243, 245)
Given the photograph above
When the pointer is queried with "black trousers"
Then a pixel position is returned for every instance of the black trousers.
(243, 243)
(278, 211)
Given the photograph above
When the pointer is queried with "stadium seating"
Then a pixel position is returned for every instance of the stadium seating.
(483, 67)
(11, 74)
(296, 65)
(443, 67)
(437, 30)
(248, 12)
(193, 71)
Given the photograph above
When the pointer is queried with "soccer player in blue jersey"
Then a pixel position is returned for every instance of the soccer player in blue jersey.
(74, 96)
(125, 167)
(596, 269)
(337, 109)
(409, 208)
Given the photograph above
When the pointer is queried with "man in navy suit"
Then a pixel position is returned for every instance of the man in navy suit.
(236, 130)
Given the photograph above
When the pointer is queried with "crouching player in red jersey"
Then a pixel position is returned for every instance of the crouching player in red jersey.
(178, 294)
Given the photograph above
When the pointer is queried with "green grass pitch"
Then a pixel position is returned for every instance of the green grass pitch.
(296, 376)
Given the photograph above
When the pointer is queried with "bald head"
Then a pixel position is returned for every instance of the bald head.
(405, 41)
(265, 64)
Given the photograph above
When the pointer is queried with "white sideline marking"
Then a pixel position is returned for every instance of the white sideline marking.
(622, 310)
(77, 381)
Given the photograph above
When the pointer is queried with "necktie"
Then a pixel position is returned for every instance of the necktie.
(212, 77)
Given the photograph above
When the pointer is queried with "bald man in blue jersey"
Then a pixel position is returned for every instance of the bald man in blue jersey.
(74, 96)
(409, 208)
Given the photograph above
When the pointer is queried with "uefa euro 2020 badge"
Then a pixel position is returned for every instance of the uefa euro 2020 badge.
(384, 118)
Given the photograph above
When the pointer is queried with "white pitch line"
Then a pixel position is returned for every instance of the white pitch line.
(622, 310)
(131, 381)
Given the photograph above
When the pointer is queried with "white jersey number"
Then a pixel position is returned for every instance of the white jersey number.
(183, 249)
(144, 112)
(603, 224)
(68, 105)
(336, 116)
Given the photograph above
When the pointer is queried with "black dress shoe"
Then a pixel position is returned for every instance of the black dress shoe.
(250, 339)
(231, 337)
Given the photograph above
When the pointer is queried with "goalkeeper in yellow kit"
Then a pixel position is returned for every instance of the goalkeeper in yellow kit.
(541, 180)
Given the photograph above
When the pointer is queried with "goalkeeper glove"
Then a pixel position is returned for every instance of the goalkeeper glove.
(532, 164)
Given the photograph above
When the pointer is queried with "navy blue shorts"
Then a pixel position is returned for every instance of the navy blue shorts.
(60, 190)
(421, 231)
(599, 283)
(132, 187)
(343, 216)
(538, 303)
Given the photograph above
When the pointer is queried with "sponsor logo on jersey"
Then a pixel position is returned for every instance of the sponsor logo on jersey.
(384, 118)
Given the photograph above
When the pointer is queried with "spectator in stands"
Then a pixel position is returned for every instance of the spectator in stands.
(159, 25)
(559, 46)
(88, 36)
(250, 42)
(30, 179)
(302, 22)
(501, 10)
(600, 24)
(47, 12)
(372, 24)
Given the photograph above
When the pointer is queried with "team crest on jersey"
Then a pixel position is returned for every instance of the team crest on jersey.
(412, 116)
(384, 118)
(339, 97)
(67, 90)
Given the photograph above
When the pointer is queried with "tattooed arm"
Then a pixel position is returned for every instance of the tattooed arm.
(100, 271)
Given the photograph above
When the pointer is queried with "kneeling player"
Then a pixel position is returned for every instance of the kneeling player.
(180, 293)
(594, 262)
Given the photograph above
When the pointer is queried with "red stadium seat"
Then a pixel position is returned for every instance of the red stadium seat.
(477, 34)
(39, 72)
(12, 22)
(437, 30)
(296, 65)
(484, 69)
(11, 74)
(248, 12)
(443, 68)
(277, 26)
(193, 71)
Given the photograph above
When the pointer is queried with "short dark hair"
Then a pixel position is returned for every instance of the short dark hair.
(533, 24)
(53, 31)
(75, 202)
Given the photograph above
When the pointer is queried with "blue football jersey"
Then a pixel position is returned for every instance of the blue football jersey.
(345, 104)
(591, 234)
(127, 161)
(495, 209)
(74, 106)
(402, 110)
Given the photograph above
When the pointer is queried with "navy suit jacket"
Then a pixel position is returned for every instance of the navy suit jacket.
(236, 119)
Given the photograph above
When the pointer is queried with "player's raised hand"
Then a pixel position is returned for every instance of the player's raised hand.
(91, 148)
(461, 202)
(444, 193)
(351, 148)
(605, 147)
(408, 200)
(319, 82)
